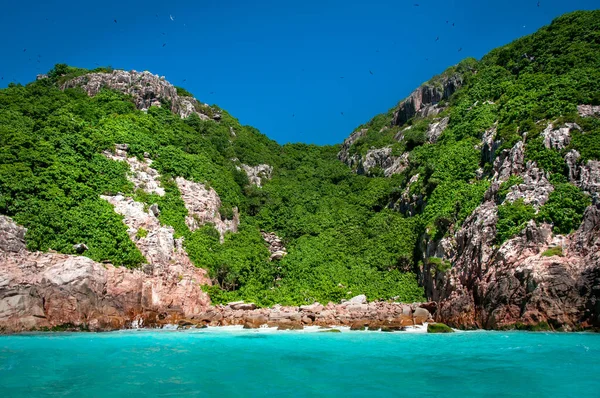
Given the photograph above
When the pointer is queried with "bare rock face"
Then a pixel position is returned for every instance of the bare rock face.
(142, 175)
(344, 154)
(45, 290)
(489, 145)
(276, 247)
(535, 189)
(12, 236)
(558, 138)
(589, 177)
(256, 174)
(585, 176)
(509, 162)
(146, 89)
(435, 129)
(588, 110)
(521, 282)
(424, 100)
(410, 204)
(203, 207)
(383, 159)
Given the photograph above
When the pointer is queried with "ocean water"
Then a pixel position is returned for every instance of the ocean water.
(218, 363)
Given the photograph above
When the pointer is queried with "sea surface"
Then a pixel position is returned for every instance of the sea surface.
(249, 363)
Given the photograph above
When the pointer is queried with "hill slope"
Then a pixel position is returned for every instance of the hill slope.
(466, 183)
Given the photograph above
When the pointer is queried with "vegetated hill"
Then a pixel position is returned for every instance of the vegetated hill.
(405, 210)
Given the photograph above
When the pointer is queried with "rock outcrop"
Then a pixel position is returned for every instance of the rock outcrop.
(523, 282)
(146, 90)
(256, 174)
(535, 189)
(588, 110)
(424, 100)
(203, 205)
(384, 160)
(276, 246)
(46, 290)
(436, 128)
(357, 314)
(558, 138)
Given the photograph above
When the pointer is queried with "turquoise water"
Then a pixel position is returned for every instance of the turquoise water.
(249, 363)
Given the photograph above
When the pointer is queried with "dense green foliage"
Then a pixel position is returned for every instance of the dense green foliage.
(553, 251)
(343, 232)
(439, 328)
(564, 208)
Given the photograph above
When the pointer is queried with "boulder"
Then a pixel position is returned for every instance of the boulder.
(79, 248)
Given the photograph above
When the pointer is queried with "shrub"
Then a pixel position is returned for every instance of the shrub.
(439, 328)
(553, 251)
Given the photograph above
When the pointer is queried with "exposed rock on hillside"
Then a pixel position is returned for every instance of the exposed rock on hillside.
(522, 282)
(558, 138)
(204, 206)
(256, 174)
(146, 89)
(46, 290)
(142, 175)
(276, 247)
(424, 100)
(535, 189)
(384, 160)
(435, 129)
(588, 110)
(344, 154)
(509, 162)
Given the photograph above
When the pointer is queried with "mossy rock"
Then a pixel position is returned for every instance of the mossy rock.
(330, 331)
(439, 328)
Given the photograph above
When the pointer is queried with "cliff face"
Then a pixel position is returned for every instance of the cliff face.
(47, 290)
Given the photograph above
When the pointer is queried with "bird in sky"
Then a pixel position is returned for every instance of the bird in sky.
(416, 5)
(24, 50)
(341, 77)
(538, 4)
(370, 72)
(115, 20)
(293, 114)
(437, 38)
(163, 33)
(460, 49)
(164, 44)
(212, 92)
(184, 80)
(171, 16)
(452, 23)
(342, 113)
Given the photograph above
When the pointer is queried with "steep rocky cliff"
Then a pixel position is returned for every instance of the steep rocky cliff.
(51, 290)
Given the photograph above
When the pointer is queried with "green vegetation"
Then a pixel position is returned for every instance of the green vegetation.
(439, 328)
(537, 327)
(343, 232)
(553, 251)
(512, 219)
(564, 208)
(141, 233)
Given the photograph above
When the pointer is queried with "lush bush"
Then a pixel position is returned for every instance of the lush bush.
(512, 219)
(439, 328)
(564, 208)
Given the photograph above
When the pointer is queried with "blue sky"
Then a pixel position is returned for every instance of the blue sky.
(275, 65)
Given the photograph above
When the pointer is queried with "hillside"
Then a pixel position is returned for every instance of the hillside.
(489, 172)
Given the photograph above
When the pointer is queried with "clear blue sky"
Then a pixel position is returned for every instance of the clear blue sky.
(275, 65)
